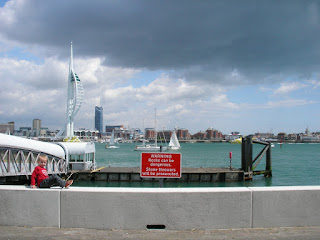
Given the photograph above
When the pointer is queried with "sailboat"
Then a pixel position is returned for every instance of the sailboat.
(151, 147)
(174, 142)
(112, 142)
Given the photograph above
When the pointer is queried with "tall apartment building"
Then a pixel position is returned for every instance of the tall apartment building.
(36, 124)
(98, 119)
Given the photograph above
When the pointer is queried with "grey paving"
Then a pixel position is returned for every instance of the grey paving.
(294, 233)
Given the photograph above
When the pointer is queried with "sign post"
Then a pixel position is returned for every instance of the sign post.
(160, 165)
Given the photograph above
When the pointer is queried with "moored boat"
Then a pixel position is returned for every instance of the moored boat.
(174, 142)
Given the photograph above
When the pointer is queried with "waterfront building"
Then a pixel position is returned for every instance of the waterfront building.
(86, 135)
(165, 135)
(282, 136)
(150, 134)
(183, 134)
(7, 128)
(98, 119)
(213, 134)
(24, 132)
(292, 137)
(110, 128)
(200, 135)
(44, 132)
(264, 136)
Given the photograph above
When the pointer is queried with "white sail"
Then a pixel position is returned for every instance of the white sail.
(112, 142)
(174, 142)
(112, 138)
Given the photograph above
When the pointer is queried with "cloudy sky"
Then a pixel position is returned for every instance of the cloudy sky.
(247, 66)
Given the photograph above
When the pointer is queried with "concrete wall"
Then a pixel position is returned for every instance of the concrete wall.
(173, 208)
(21, 206)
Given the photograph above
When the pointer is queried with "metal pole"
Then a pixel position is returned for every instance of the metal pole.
(161, 179)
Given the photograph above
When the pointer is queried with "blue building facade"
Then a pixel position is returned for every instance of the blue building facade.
(98, 119)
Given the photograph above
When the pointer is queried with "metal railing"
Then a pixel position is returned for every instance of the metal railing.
(18, 162)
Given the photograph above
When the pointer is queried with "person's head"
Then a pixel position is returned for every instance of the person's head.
(42, 161)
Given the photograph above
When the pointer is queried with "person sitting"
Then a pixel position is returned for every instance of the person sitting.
(41, 177)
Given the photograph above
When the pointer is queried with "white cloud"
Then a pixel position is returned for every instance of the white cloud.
(315, 83)
(287, 87)
(288, 103)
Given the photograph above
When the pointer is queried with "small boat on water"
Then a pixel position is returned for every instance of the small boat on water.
(237, 140)
(151, 147)
(174, 142)
(112, 143)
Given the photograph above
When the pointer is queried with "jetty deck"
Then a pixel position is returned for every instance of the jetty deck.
(188, 175)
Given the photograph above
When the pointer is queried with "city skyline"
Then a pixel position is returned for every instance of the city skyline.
(151, 127)
(232, 66)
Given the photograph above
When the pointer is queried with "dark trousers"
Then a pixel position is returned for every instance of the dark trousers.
(53, 180)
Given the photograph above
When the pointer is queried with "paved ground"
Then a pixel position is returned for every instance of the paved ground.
(295, 233)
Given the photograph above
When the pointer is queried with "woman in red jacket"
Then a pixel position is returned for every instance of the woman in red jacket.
(41, 177)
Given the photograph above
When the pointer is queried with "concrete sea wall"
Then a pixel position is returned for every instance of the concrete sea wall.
(169, 208)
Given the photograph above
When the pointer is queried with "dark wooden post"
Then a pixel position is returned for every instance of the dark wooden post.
(246, 154)
(268, 172)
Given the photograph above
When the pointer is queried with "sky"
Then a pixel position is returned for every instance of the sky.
(248, 66)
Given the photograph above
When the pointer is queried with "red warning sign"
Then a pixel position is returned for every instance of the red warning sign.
(160, 165)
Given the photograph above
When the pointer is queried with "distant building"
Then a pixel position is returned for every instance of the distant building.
(85, 134)
(44, 132)
(24, 131)
(116, 127)
(213, 134)
(150, 134)
(264, 136)
(98, 119)
(183, 134)
(36, 124)
(200, 135)
(165, 135)
(7, 127)
(282, 136)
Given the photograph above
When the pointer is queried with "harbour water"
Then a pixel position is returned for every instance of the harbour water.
(292, 164)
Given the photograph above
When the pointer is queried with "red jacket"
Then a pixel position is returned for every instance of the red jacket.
(39, 174)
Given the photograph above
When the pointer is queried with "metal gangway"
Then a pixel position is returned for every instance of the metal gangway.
(19, 156)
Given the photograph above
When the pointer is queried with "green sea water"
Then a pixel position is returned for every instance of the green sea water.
(292, 164)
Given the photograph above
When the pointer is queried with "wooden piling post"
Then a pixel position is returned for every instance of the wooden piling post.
(268, 172)
(246, 157)
(246, 154)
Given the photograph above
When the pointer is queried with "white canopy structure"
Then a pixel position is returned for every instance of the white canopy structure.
(21, 143)
(80, 155)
